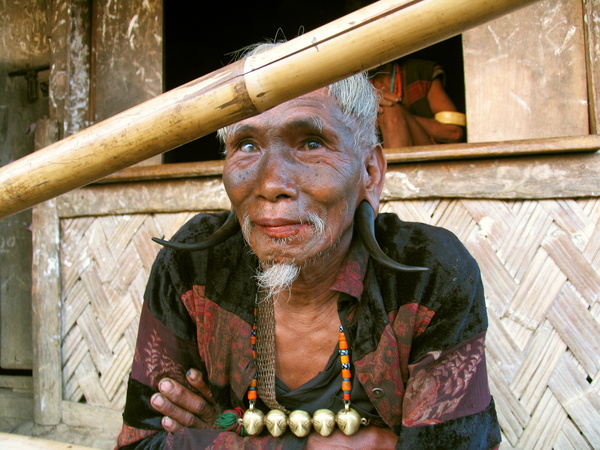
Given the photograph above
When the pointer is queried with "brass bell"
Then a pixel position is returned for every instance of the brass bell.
(324, 422)
(300, 423)
(348, 421)
(276, 422)
(253, 421)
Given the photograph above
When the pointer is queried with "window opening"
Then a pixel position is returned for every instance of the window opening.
(198, 42)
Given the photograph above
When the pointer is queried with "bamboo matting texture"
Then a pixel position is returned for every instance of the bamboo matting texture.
(540, 262)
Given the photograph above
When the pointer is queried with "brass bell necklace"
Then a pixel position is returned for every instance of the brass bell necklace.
(300, 422)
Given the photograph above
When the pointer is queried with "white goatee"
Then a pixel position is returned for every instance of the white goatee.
(277, 278)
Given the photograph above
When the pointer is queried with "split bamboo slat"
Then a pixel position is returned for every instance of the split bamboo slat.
(540, 263)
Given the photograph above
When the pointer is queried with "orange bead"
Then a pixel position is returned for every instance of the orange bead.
(253, 383)
(346, 386)
(346, 373)
(346, 397)
(342, 337)
(345, 359)
(343, 345)
(251, 395)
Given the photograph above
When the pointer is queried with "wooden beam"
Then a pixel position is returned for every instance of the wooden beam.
(526, 147)
(425, 153)
(16, 442)
(17, 405)
(176, 195)
(165, 172)
(82, 415)
(365, 39)
(511, 178)
(23, 383)
(555, 176)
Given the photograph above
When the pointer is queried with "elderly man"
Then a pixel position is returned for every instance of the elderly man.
(299, 323)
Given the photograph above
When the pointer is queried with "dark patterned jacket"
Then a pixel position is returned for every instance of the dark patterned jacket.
(416, 339)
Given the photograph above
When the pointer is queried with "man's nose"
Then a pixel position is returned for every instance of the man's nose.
(276, 176)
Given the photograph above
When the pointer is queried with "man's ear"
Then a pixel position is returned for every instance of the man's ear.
(376, 166)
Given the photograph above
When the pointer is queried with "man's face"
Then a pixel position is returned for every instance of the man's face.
(295, 159)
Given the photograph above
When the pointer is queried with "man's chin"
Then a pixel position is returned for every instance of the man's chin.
(272, 260)
(279, 254)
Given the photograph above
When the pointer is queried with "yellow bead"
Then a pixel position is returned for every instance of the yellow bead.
(324, 422)
(253, 421)
(348, 421)
(276, 422)
(300, 423)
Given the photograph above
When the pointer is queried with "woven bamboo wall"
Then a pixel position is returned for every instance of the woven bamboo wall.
(540, 262)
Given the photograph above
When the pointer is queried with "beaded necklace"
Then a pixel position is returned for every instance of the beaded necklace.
(300, 422)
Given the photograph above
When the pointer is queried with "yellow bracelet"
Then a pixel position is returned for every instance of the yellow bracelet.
(451, 118)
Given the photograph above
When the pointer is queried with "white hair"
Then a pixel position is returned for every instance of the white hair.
(277, 278)
(355, 95)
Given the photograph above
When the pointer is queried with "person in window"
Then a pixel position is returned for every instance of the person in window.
(414, 108)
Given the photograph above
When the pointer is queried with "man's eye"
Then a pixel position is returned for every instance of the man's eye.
(248, 147)
(313, 145)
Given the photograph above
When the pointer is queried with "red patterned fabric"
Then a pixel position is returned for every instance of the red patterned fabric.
(387, 368)
(447, 385)
(129, 435)
(159, 353)
(223, 342)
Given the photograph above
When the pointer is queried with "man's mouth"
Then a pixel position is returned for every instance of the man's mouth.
(281, 230)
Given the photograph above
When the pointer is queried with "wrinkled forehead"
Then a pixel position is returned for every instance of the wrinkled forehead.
(316, 110)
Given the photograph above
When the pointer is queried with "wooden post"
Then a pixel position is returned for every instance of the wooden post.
(360, 41)
(46, 304)
(45, 299)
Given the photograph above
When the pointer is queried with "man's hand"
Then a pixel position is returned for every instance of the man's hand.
(388, 99)
(183, 408)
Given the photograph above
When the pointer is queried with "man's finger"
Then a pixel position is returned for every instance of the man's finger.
(385, 102)
(187, 400)
(175, 417)
(194, 377)
(390, 97)
(170, 425)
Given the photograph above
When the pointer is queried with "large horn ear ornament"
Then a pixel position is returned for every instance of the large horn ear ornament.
(228, 229)
(365, 222)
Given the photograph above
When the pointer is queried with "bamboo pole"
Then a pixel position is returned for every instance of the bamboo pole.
(360, 41)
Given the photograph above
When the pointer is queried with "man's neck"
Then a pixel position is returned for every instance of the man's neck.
(311, 290)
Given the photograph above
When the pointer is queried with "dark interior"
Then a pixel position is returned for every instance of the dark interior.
(198, 41)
